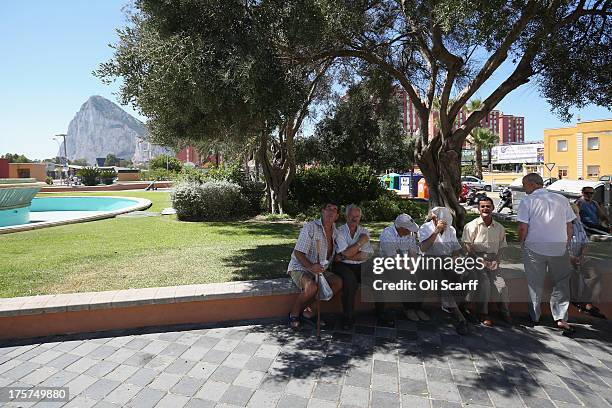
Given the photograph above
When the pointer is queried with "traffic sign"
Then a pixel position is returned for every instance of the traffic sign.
(550, 166)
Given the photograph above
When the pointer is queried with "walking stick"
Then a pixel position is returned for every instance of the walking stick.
(318, 296)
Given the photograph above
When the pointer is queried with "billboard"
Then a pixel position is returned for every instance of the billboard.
(518, 153)
(468, 156)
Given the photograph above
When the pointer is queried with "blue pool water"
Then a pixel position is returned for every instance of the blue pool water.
(80, 204)
(62, 205)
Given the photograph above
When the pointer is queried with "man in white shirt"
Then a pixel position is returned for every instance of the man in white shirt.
(545, 230)
(438, 238)
(400, 239)
(353, 248)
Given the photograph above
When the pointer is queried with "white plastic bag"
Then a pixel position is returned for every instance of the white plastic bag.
(325, 291)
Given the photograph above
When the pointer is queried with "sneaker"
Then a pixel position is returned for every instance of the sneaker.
(411, 315)
(423, 316)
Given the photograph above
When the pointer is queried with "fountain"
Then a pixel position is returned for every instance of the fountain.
(15, 199)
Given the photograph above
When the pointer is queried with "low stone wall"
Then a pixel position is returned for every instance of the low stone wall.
(25, 317)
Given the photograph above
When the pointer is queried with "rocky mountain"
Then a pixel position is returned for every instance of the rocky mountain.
(101, 127)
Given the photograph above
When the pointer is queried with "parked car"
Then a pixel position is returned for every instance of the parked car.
(475, 182)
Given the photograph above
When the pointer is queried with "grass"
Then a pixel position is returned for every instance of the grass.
(138, 252)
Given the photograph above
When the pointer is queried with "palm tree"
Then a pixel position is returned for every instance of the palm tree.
(482, 138)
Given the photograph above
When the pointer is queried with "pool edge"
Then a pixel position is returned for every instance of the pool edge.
(141, 204)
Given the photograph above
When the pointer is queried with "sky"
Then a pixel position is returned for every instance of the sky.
(50, 48)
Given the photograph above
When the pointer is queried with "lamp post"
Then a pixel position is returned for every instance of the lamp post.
(65, 161)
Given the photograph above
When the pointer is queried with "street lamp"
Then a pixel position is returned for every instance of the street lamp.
(65, 161)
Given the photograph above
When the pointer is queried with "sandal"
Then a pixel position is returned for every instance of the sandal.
(294, 321)
(565, 327)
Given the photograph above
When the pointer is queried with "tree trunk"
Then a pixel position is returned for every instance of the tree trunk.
(441, 167)
(278, 175)
(478, 154)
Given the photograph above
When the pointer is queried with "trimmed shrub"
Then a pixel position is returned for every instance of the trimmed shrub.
(344, 185)
(388, 206)
(166, 162)
(210, 201)
(89, 176)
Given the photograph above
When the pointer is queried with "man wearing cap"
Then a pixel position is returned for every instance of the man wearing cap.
(439, 239)
(484, 237)
(545, 231)
(353, 248)
(400, 239)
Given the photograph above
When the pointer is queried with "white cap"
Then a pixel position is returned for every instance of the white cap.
(406, 221)
(443, 214)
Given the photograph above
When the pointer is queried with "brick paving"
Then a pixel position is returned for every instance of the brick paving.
(264, 364)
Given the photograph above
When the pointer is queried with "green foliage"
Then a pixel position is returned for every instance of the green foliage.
(344, 185)
(16, 158)
(49, 180)
(166, 162)
(364, 129)
(111, 160)
(468, 170)
(89, 176)
(484, 138)
(78, 162)
(107, 176)
(389, 205)
(211, 201)
(204, 70)
(252, 190)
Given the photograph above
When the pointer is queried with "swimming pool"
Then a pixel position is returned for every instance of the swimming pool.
(52, 211)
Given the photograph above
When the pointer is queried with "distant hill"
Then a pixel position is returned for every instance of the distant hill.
(101, 127)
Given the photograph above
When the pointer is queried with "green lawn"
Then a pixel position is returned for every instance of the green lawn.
(137, 252)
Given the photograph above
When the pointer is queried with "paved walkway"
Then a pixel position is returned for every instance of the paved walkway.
(267, 365)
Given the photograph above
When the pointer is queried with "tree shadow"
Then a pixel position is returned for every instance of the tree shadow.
(260, 262)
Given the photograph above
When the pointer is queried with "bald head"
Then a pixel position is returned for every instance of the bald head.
(532, 182)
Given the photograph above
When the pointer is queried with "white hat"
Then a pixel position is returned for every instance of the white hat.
(405, 221)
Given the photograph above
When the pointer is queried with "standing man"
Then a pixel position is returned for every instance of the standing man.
(400, 239)
(484, 237)
(438, 238)
(545, 231)
(591, 214)
(353, 248)
(312, 253)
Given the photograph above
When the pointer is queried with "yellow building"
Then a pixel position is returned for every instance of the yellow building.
(583, 151)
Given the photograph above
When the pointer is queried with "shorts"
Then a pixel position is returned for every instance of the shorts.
(297, 276)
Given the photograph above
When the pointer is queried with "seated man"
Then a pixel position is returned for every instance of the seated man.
(439, 239)
(400, 238)
(484, 237)
(311, 255)
(353, 248)
(591, 214)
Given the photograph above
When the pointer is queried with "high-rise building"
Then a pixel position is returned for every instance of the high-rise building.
(511, 129)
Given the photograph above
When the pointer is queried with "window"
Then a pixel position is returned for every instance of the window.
(592, 171)
(593, 143)
(562, 145)
(562, 172)
(23, 173)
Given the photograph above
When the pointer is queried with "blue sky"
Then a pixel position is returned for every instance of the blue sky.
(49, 49)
